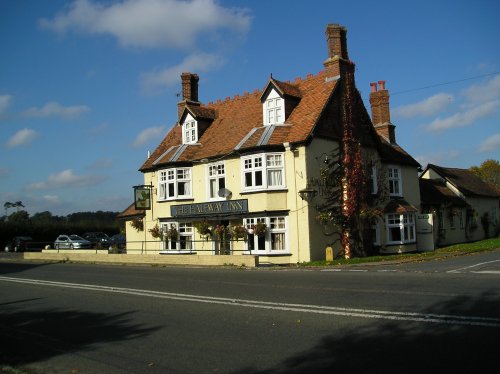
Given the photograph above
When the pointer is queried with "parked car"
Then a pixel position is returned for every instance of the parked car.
(18, 244)
(117, 243)
(71, 242)
(98, 239)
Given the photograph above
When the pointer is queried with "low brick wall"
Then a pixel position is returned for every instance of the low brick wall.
(102, 256)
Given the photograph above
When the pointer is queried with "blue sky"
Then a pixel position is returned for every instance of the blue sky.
(87, 87)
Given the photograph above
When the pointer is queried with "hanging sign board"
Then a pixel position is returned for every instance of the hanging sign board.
(142, 197)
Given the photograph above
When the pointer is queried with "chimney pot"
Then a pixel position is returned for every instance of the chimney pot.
(382, 85)
(374, 86)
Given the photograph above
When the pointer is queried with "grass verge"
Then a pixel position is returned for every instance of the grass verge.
(452, 250)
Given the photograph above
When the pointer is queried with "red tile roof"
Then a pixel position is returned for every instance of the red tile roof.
(235, 118)
(131, 212)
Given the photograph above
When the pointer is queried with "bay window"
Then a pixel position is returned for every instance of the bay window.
(263, 171)
(274, 240)
(174, 183)
(184, 240)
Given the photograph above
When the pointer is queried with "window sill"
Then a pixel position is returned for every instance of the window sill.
(177, 252)
(264, 190)
(268, 254)
(174, 200)
(400, 243)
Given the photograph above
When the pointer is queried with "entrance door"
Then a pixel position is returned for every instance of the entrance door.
(221, 246)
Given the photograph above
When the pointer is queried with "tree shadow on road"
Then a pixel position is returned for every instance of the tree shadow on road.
(28, 336)
(407, 347)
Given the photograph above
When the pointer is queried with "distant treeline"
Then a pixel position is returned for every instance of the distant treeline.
(45, 227)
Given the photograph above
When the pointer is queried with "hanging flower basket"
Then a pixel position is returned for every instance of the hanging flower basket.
(137, 224)
(259, 229)
(239, 232)
(203, 228)
(172, 233)
(221, 231)
(156, 232)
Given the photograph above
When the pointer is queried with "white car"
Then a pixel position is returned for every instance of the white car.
(71, 242)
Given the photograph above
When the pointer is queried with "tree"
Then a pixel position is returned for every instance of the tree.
(7, 206)
(489, 171)
(19, 216)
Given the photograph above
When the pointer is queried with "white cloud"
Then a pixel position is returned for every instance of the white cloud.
(465, 118)
(22, 137)
(103, 163)
(66, 178)
(490, 91)
(54, 109)
(490, 144)
(154, 81)
(428, 107)
(4, 102)
(149, 23)
(151, 133)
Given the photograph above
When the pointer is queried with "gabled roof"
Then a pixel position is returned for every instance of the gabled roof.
(199, 112)
(393, 153)
(465, 181)
(435, 193)
(399, 206)
(283, 88)
(236, 120)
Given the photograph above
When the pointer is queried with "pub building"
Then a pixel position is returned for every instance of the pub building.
(242, 175)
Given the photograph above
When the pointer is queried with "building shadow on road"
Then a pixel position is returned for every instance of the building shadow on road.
(31, 336)
(407, 347)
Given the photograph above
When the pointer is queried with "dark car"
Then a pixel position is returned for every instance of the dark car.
(117, 243)
(18, 244)
(98, 239)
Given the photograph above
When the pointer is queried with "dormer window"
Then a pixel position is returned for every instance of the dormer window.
(274, 109)
(189, 130)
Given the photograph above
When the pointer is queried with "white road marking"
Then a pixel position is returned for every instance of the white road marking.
(319, 309)
(471, 266)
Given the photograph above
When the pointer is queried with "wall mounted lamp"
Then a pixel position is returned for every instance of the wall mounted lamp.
(308, 193)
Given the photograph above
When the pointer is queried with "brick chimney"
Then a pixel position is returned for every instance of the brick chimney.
(189, 91)
(338, 57)
(381, 114)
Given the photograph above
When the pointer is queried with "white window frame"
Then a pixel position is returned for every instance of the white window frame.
(189, 130)
(265, 165)
(174, 177)
(216, 176)
(406, 224)
(273, 109)
(376, 230)
(395, 179)
(185, 242)
(277, 231)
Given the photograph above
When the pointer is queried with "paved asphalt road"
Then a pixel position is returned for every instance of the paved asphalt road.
(438, 316)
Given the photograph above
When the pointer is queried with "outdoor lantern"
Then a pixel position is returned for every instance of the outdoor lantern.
(307, 193)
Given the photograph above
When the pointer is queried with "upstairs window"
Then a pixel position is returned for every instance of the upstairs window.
(174, 184)
(189, 130)
(263, 171)
(373, 181)
(395, 183)
(274, 109)
(216, 180)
